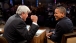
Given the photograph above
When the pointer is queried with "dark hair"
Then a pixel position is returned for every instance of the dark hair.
(62, 9)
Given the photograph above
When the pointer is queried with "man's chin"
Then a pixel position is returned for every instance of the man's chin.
(56, 19)
(24, 20)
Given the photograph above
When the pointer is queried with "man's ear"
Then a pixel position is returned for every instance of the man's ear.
(62, 15)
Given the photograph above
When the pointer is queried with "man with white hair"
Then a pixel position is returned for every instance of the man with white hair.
(15, 28)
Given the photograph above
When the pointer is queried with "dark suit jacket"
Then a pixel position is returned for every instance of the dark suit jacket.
(15, 30)
(62, 27)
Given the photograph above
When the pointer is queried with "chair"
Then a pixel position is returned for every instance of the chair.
(66, 36)
(3, 40)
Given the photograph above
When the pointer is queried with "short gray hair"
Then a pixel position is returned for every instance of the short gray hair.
(62, 9)
(22, 8)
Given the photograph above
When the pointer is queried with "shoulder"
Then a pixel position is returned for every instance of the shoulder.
(14, 19)
(65, 20)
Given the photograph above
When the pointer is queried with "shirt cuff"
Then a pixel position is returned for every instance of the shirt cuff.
(34, 23)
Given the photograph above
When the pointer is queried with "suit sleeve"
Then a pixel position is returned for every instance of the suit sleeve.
(57, 34)
(27, 35)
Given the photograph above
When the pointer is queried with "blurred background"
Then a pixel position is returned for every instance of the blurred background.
(44, 9)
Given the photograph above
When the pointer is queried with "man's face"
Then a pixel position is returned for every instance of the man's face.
(58, 15)
(24, 16)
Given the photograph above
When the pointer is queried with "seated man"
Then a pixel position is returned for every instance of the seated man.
(15, 28)
(63, 26)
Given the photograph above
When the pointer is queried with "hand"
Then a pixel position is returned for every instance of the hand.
(34, 18)
(49, 34)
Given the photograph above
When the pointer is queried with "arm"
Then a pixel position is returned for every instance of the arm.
(57, 34)
(27, 35)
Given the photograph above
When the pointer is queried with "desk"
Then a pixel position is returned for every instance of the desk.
(49, 41)
(40, 38)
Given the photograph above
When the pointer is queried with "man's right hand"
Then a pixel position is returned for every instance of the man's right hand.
(34, 18)
(49, 34)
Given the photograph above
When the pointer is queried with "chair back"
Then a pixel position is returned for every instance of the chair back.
(71, 36)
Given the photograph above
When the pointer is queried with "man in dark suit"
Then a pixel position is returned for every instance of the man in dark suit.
(15, 28)
(63, 26)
